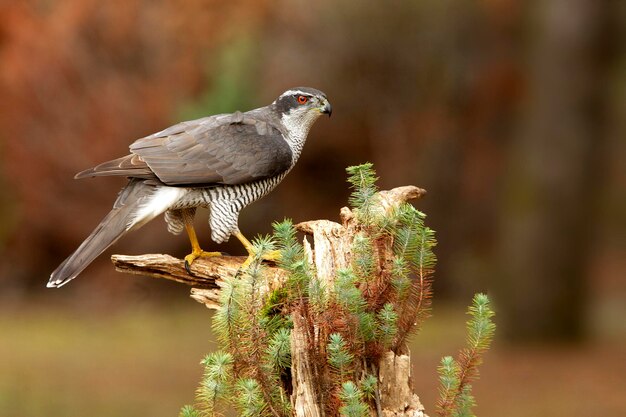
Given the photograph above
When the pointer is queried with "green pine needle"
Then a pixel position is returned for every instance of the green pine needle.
(480, 327)
(363, 256)
(189, 411)
(466, 402)
(249, 398)
(369, 385)
(455, 376)
(386, 324)
(347, 294)
(362, 179)
(351, 398)
(448, 376)
(279, 349)
(263, 244)
(217, 365)
(367, 326)
(228, 314)
(290, 249)
(338, 355)
(292, 259)
(215, 381)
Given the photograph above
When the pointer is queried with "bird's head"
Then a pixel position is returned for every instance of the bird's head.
(299, 107)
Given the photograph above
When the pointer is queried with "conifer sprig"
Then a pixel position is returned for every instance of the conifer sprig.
(386, 321)
(412, 268)
(249, 398)
(352, 400)
(279, 349)
(293, 260)
(363, 256)
(456, 376)
(188, 411)
(369, 385)
(362, 179)
(215, 381)
(339, 357)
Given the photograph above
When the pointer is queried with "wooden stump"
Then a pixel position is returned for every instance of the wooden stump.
(328, 247)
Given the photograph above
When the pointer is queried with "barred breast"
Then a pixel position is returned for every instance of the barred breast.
(224, 202)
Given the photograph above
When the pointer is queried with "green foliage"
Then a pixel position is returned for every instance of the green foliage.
(338, 355)
(363, 256)
(292, 259)
(413, 241)
(291, 250)
(216, 379)
(250, 326)
(350, 298)
(369, 386)
(400, 277)
(412, 267)
(249, 398)
(386, 324)
(375, 302)
(352, 400)
(189, 411)
(449, 371)
(278, 350)
(346, 293)
(362, 179)
(480, 328)
(228, 314)
(455, 376)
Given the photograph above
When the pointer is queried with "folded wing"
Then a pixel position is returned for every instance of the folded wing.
(223, 149)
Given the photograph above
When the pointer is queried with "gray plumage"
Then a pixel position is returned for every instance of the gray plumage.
(222, 162)
(223, 149)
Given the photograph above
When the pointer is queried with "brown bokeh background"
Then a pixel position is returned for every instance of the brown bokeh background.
(511, 114)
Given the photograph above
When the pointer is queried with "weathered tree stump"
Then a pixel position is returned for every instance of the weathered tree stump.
(328, 247)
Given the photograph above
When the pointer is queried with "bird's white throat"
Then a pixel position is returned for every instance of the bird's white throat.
(298, 122)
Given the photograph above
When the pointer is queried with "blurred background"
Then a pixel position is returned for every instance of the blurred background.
(512, 114)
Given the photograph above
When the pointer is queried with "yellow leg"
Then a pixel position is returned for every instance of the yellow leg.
(273, 255)
(196, 251)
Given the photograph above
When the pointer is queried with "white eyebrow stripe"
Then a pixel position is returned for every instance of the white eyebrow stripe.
(294, 92)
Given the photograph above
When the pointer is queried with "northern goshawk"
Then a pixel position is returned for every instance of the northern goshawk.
(222, 162)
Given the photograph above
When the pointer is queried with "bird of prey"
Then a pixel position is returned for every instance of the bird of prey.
(222, 162)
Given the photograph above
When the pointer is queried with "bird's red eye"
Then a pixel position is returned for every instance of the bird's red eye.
(302, 99)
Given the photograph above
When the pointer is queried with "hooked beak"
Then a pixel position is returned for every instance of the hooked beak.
(326, 108)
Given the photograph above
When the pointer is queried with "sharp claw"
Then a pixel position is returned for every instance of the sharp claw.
(188, 267)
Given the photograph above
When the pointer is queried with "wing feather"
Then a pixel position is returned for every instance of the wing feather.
(222, 149)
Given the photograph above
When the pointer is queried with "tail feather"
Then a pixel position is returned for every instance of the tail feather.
(128, 213)
(107, 233)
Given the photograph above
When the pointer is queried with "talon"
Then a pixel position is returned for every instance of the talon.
(246, 263)
(272, 256)
(198, 253)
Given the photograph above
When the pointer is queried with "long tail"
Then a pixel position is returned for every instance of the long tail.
(137, 204)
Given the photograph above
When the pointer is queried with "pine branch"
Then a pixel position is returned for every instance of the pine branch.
(338, 355)
(351, 397)
(413, 244)
(362, 179)
(189, 411)
(215, 381)
(456, 375)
